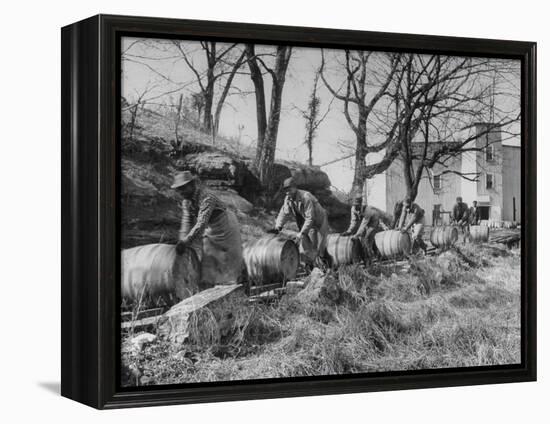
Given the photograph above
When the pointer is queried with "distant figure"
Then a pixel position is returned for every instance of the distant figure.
(460, 216)
(475, 214)
(365, 222)
(409, 215)
(437, 215)
(209, 228)
(310, 217)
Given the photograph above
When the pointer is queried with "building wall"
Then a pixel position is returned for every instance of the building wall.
(505, 168)
(427, 196)
(490, 197)
(375, 191)
(450, 188)
(469, 168)
(395, 185)
(511, 183)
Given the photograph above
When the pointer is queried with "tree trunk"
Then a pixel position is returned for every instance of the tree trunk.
(224, 94)
(268, 129)
(207, 117)
(178, 117)
(360, 152)
(270, 139)
(209, 89)
(261, 113)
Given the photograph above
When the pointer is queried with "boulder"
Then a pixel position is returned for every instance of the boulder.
(322, 288)
(337, 211)
(215, 168)
(233, 200)
(150, 212)
(207, 315)
(204, 316)
(310, 178)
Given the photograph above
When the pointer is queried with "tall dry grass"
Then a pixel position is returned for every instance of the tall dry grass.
(459, 309)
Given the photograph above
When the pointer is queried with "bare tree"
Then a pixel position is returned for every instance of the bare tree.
(178, 118)
(135, 107)
(362, 90)
(444, 96)
(198, 104)
(311, 116)
(218, 66)
(268, 126)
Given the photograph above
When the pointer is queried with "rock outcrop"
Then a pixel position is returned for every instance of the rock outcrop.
(151, 209)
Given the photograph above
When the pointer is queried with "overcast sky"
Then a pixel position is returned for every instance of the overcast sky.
(157, 65)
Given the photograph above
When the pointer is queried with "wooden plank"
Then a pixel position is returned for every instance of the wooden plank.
(185, 307)
(254, 290)
(127, 316)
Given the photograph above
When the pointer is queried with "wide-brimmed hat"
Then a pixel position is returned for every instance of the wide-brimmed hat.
(182, 178)
(289, 182)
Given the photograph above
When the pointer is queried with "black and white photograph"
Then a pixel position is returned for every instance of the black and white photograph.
(291, 211)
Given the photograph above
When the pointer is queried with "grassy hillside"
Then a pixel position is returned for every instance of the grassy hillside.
(440, 313)
(150, 157)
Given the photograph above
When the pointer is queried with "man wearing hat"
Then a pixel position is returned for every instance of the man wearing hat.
(209, 228)
(408, 215)
(309, 215)
(461, 214)
(474, 214)
(365, 222)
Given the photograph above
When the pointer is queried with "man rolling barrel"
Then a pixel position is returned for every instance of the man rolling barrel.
(460, 217)
(309, 215)
(365, 222)
(210, 229)
(407, 215)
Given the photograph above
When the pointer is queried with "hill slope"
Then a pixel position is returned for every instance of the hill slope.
(150, 157)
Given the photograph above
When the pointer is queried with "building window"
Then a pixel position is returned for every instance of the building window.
(437, 182)
(490, 181)
(490, 153)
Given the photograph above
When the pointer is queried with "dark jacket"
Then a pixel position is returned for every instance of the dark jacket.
(460, 212)
(414, 214)
(367, 217)
(475, 215)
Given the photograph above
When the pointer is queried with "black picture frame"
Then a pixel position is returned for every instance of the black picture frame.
(90, 211)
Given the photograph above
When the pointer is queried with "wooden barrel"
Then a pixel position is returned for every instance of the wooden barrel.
(479, 233)
(343, 250)
(155, 270)
(444, 237)
(271, 259)
(393, 243)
